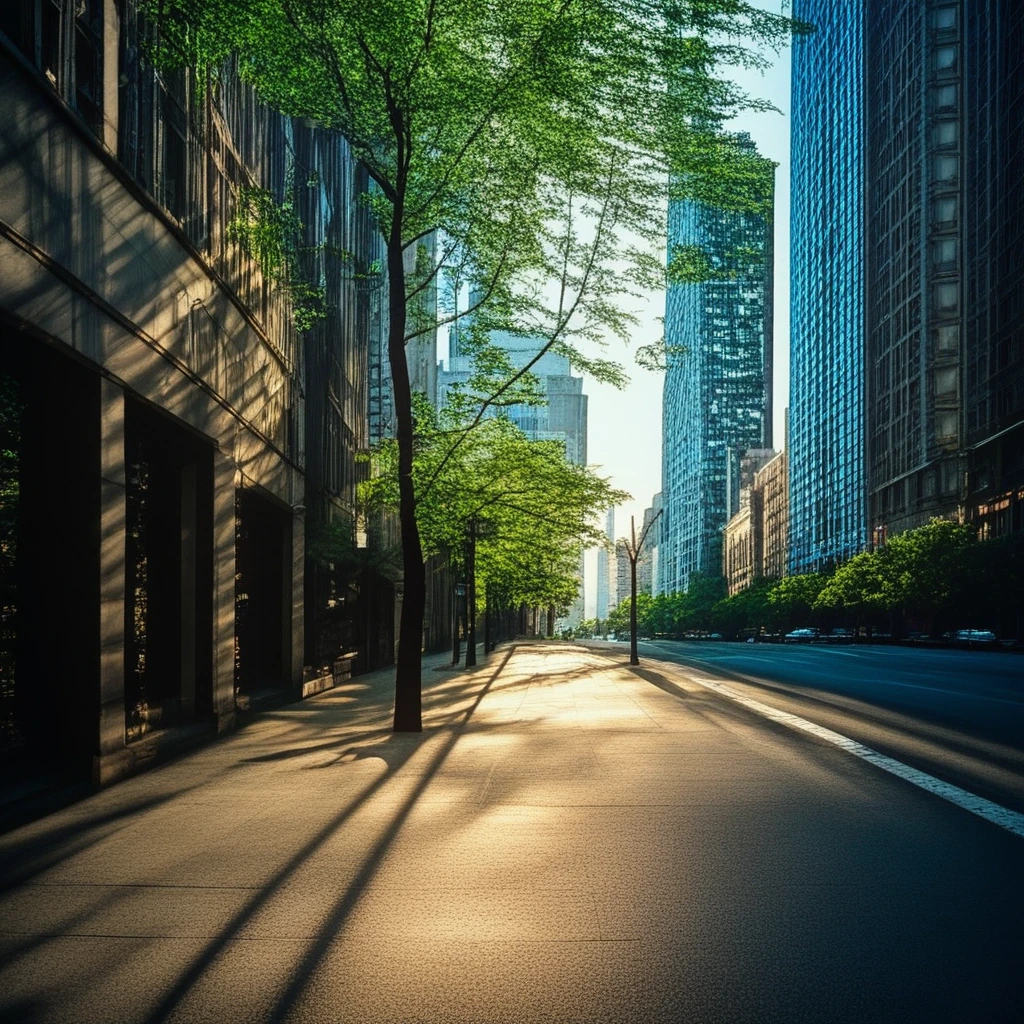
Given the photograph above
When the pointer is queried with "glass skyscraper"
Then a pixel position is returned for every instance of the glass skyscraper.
(827, 490)
(717, 391)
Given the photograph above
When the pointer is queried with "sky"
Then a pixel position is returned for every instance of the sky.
(624, 427)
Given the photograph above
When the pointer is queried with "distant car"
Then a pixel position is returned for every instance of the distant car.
(974, 638)
(839, 635)
(801, 636)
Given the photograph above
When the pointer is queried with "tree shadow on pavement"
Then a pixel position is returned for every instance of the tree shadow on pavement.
(399, 751)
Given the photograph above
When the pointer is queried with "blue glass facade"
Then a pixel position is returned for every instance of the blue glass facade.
(827, 489)
(717, 393)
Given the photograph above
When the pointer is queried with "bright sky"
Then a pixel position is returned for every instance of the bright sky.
(624, 427)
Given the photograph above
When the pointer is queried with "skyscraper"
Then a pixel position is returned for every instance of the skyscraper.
(826, 445)
(605, 590)
(945, 263)
(717, 392)
(562, 417)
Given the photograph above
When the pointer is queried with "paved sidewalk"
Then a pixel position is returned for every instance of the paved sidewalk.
(568, 840)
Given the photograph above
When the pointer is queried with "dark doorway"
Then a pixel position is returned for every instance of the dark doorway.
(49, 561)
(262, 612)
(169, 564)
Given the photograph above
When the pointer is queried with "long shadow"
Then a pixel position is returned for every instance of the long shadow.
(168, 1004)
(19, 861)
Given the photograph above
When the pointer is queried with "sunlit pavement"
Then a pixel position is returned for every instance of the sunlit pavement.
(567, 840)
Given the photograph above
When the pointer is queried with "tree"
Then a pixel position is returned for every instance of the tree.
(634, 547)
(524, 508)
(794, 597)
(859, 586)
(534, 138)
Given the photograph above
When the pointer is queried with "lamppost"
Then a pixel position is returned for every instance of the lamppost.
(460, 594)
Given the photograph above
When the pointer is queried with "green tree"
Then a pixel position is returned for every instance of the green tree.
(794, 597)
(535, 139)
(529, 509)
(926, 569)
(860, 586)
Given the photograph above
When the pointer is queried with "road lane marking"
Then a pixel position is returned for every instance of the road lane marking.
(1012, 821)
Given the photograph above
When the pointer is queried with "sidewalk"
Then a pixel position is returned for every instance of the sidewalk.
(567, 840)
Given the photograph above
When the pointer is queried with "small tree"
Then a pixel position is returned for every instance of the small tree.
(634, 547)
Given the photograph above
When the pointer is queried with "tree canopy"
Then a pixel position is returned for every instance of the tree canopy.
(536, 140)
(531, 508)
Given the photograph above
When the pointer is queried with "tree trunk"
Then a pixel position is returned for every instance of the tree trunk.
(551, 621)
(408, 697)
(456, 647)
(634, 658)
(488, 645)
(471, 598)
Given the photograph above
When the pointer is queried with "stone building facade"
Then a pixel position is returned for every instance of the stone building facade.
(754, 539)
(166, 428)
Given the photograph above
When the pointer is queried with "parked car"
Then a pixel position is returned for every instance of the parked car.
(840, 635)
(802, 636)
(973, 638)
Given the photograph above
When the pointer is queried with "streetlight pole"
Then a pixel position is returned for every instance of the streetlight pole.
(471, 596)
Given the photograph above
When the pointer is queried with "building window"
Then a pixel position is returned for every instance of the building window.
(944, 211)
(945, 97)
(945, 58)
(945, 429)
(944, 19)
(945, 168)
(946, 382)
(944, 253)
(946, 297)
(945, 133)
(947, 338)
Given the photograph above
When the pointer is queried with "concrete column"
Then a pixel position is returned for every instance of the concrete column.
(113, 522)
(111, 32)
(223, 591)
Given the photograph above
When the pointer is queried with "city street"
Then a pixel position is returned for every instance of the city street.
(957, 714)
(569, 839)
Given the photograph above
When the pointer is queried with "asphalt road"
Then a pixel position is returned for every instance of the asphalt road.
(568, 840)
(958, 715)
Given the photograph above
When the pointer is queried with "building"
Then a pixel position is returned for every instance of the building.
(561, 417)
(647, 563)
(828, 516)
(742, 465)
(993, 259)
(605, 589)
(914, 268)
(623, 573)
(945, 142)
(754, 540)
(717, 392)
(772, 485)
(170, 430)
(741, 549)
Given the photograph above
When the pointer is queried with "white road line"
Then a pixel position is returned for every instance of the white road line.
(1012, 821)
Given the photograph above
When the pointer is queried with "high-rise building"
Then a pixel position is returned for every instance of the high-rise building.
(993, 283)
(717, 392)
(649, 531)
(623, 574)
(826, 446)
(945, 263)
(605, 590)
(914, 262)
(562, 416)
